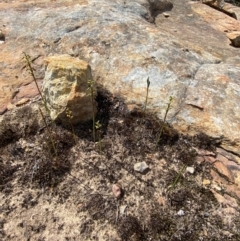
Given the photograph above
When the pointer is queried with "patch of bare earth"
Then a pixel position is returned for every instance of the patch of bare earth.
(68, 196)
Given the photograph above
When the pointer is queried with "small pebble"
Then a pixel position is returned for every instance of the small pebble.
(206, 182)
(206, 214)
(123, 209)
(180, 212)
(216, 187)
(141, 167)
(117, 190)
(22, 101)
(190, 170)
(162, 201)
(166, 15)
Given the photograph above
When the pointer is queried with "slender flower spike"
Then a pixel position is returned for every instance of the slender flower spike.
(164, 120)
(148, 82)
(70, 116)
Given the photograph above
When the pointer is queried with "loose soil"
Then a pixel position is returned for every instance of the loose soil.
(69, 196)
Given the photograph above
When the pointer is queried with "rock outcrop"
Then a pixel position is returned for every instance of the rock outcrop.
(66, 89)
(186, 53)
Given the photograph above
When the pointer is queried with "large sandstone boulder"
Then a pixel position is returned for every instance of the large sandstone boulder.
(66, 87)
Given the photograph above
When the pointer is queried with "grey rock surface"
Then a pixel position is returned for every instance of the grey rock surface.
(187, 55)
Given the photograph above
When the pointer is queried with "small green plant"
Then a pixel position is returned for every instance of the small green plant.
(164, 120)
(98, 128)
(146, 100)
(92, 93)
(49, 132)
(70, 116)
(178, 177)
(30, 69)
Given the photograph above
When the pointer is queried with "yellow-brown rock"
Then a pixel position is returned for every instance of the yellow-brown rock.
(66, 87)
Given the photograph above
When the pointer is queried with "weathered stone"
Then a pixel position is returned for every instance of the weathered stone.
(117, 190)
(209, 159)
(162, 201)
(223, 181)
(141, 167)
(22, 101)
(66, 87)
(166, 15)
(231, 166)
(190, 170)
(225, 200)
(206, 182)
(202, 152)
(216, 187)
(200, 159)
(28, 91)
(234, 38)
(186, 56)
(225, 23)
(180, 213)
(229, 155)
(10, 106)
(231, 10)
(3, 108)
(217, 178)
(223, 170)
(233, 190)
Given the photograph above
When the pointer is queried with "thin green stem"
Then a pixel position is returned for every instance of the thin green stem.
(146, 100)
(49, 132)
(164, 121)
(69, 115)
(93, 116)
(92, 93)
(98, 128)
(29, 66)
(178, 176)
(74, 135)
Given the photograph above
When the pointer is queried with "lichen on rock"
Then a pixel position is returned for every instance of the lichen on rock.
(65, 86)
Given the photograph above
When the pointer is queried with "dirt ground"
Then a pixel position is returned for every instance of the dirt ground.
(68, 195)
